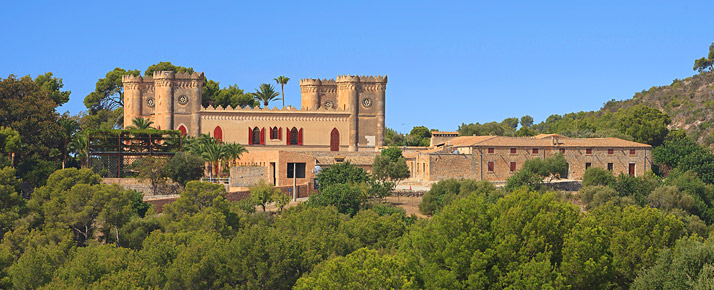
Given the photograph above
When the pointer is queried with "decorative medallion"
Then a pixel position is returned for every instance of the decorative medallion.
(329, 105)
(150, 102)
(367, 102)
(183, 99)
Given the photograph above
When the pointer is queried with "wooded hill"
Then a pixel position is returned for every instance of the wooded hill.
(688, 102)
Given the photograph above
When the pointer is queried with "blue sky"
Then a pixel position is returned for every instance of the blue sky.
(448, 62)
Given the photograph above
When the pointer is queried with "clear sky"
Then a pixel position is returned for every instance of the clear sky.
(448, 62)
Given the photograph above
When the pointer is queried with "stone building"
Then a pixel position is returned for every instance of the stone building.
(339, 120)
(342, 114)
(495, 158)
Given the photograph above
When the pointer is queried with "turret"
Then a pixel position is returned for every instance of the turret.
(379, 103)
(347, 99)
(132, 98)
(163, 112)
(310, 91)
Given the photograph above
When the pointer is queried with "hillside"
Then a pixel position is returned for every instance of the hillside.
(688, 102)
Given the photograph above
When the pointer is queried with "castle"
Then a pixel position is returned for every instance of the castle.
(342, 114)
(342, 119)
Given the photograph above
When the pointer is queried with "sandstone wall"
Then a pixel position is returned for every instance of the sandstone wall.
(248, 175)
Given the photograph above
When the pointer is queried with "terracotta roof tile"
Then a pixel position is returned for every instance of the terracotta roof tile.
(543, 140)
(467, 140)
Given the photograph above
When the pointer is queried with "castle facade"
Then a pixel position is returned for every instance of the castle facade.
(342, 114)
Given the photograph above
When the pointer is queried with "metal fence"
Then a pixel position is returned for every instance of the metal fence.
(221, 180)
(112, 153)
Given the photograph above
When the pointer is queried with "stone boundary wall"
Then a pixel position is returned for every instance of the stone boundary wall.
(445, 166)
(304, 190)
(143, 186)
(248, 175)
(566, 185)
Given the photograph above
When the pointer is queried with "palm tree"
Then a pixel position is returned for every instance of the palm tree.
(234, 151)
(266, 93)
(68, 128)
(141, 124)
(282, 81)
(79, 146)
(212, 153)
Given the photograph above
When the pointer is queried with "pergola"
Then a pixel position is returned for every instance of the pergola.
(111, 153)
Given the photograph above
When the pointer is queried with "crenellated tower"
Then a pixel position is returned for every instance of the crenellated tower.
(163, 117)
(362, 96)
(132, 98)
(171, 100)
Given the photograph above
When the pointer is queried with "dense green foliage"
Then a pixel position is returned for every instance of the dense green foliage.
(75, 232)
(390, 166)
(645, 124)
(446, 191)
(536, 171)
(688, 265)
(418, 136)
(597, 176)
(184, 167)
(28, 109)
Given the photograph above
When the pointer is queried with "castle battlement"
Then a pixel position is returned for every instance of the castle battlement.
(347, 79)
(343, 79)
(189, 76)
(373, 79)
(135, 79)
(177, 75)
(275, 109)
(310, 82)
(163, 75)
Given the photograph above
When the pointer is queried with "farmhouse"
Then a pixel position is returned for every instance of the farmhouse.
(495, 158)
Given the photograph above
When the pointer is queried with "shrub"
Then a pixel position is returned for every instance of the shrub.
(598, 176)
(347, 198)
(184, 167)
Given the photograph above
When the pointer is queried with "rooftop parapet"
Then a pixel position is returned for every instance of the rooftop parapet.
(373, 79)
(310, 82)
(288, 109)
(189, 76)
(164, 75)
(132, 79)
(347, 79)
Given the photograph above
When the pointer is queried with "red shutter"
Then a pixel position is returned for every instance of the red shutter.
(280, 133)
(218, 134)
(271, 132)
(250, 136)
(262, 136)
(300, 137)
(287, 136)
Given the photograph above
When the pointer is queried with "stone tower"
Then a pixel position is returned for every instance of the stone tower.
(171, 100)
(363, 97)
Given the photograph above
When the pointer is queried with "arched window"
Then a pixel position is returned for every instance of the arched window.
(335, 140)
(183, 130)
(256, 136)
(294, 138)
(274, 133)
(218, 134)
